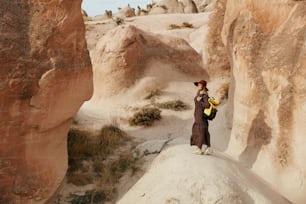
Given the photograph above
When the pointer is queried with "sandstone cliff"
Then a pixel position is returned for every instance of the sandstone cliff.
(266, 41)
(45, 77)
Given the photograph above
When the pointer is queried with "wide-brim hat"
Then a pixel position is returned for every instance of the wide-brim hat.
(203, 82)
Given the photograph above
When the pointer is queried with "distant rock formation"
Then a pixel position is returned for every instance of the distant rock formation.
(45, 76)
(205, 5)
(108, 14)
(119, 63)
(84, 13)
(125, 12)
(267, 49)
(172, 6)
(189, 6)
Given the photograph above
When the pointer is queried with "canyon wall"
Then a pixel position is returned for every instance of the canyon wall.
(266, 43)
(45, 76)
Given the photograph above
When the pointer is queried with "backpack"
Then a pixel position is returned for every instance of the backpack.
(211, 112)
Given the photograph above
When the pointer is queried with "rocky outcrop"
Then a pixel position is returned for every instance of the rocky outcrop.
(125, 12)
(45, 76)
(173, 6)
(205, 5)
(267, 47)
(189, 6)
(118, 64)
(215, 56)
(187, 178)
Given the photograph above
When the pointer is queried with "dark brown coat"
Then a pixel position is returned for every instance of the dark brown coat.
(200, 134)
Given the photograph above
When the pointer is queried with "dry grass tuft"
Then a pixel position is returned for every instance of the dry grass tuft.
(173, 26)
(109, 138)
(223, 90)
(92, 160)
(80, 144)
(145, 116)
(83, 145)
(80, 178)
(153, 93)
(283, 153)
(176, 105)
(187, 25)
(183, 25)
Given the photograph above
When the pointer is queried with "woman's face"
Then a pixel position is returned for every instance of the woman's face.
(200, 87)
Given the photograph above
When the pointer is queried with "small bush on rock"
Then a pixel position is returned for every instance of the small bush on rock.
(145, 116)
(176, 105)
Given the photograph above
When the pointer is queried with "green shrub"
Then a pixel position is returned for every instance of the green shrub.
(145, 117)
(176, 105)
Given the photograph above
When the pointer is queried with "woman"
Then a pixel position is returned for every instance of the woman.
(200, 134)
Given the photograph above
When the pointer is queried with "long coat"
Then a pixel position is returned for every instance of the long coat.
(200, 134)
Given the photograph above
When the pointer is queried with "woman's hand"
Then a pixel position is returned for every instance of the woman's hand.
(199, 98)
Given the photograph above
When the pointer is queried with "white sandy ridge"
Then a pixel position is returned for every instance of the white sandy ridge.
(177, 176)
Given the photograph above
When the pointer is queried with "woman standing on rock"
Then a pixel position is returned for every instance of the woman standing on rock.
(200, 134)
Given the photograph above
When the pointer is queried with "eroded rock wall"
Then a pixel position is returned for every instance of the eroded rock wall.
(266, 42)
(45, 76)
(215, 55)
(126, 54)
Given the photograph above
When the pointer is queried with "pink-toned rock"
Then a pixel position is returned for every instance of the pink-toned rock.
(45, 76)
(267, 48)
(126, 53)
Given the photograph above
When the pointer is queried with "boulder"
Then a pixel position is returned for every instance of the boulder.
(45, 77)
(267, 47)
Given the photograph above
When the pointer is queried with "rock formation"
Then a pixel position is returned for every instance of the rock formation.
(176, 176)
(215, 56)
(45, 77)
(125, 12)
(167, 6)
(119, 63)
(205, 5)
(84, 13)
(266, 42)
(189, 6)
